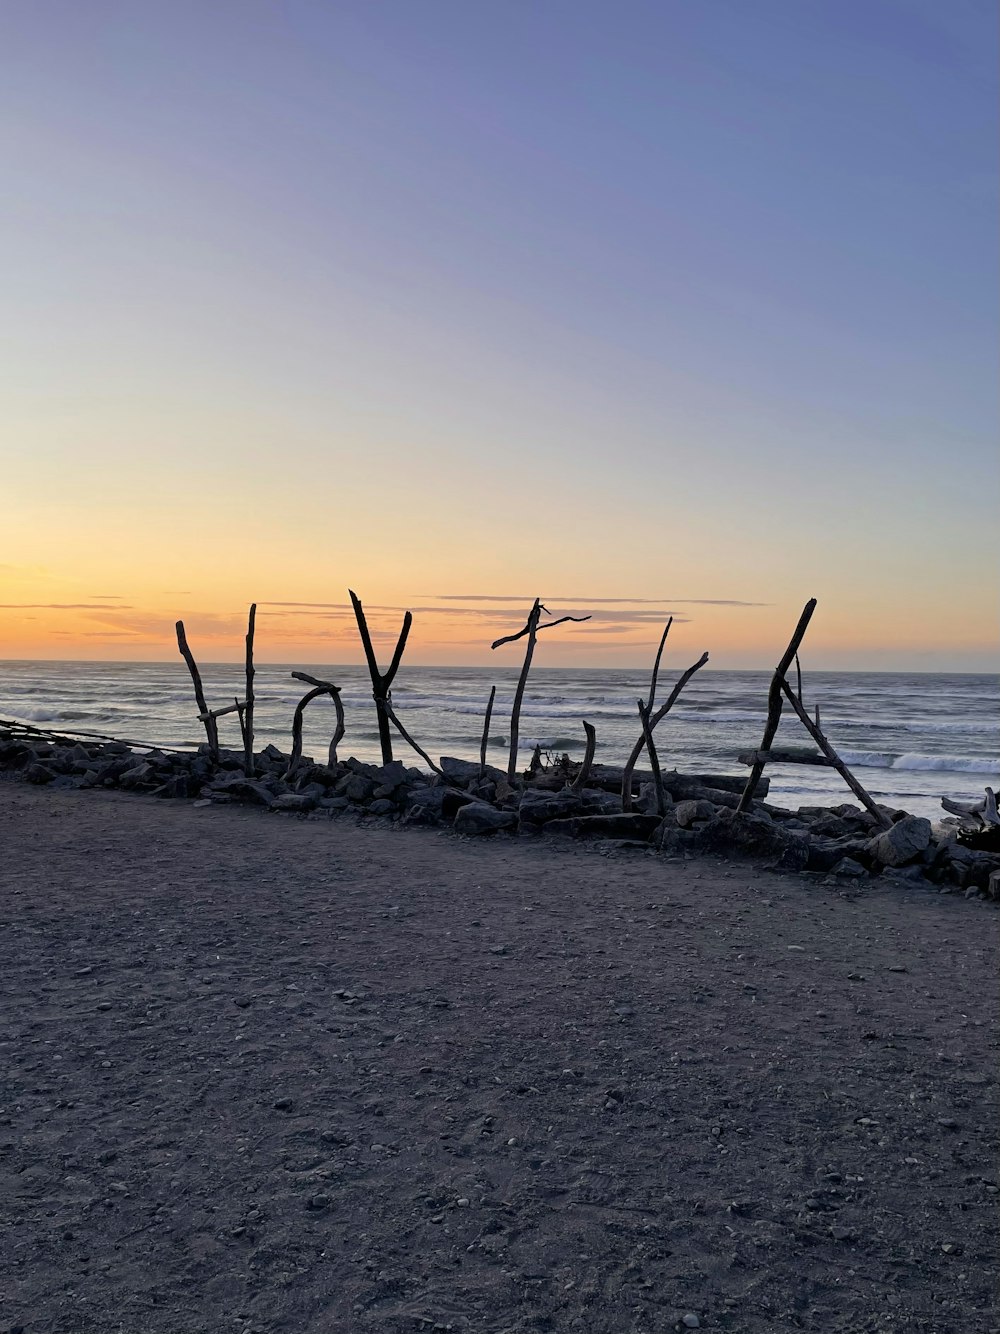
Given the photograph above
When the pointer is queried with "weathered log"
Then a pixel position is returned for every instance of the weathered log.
(204, 716)
(580, 781)
(319, 688)
(835, 761)
(246, 717)
(486, 733)
(656, 664)
(774, 701)
(222, 713)
(789, 755)
(660, 713)
(381, 681)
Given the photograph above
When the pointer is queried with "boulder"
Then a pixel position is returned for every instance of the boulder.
(382, 806)
(477, 818)
(631, 825)
(825, 853)
(753, 836)
(138, 776)
(850, 869)
(294, 801)
(355, 787)
(687, 812)
(539, 808)
(902, 843)
(467, 771)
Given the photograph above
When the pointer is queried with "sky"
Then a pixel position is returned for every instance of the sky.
(672, 307)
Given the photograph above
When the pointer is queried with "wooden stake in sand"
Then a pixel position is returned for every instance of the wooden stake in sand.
(531, 629)
(204, 716)
(580, 781)
(780, 690)
(486, 734)
(246, 715)
(381, 681)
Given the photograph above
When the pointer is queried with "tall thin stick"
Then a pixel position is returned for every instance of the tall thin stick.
(654, 718)
(211, 727)
(486, 733)
(381, 681)
(774, 701)
(580, 781)
(247, 715)
(522, 681)
(408, 739)
(656, 663)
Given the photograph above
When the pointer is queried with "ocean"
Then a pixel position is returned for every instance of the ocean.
(911, 738)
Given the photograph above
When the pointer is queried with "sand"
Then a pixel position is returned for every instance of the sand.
(264, 1073)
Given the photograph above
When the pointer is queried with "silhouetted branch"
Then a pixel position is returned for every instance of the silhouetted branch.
(654, 718)
(381, 681)
(409, 740)
(654, 763)
(580, 781)
(486, 733)
(204, 715)
(246, 717)
(319, 688)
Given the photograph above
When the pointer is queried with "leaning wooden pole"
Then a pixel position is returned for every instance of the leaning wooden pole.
(774, 702)
(580, 781)
(522, 681)
(247, 715)
(653, 719)
(211, 727)
(654, 762)
(486, 734)
(381, 681)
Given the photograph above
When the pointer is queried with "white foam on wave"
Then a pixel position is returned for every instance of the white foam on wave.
(882, 759)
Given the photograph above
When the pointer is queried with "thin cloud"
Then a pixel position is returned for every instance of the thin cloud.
(106, 597)
(59, 606)
(579, 601)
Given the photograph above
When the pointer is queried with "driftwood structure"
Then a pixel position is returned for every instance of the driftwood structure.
(318, 688)
(778, 693)
(486, 732)
(204, 716)
(531, 629)
(382, 681)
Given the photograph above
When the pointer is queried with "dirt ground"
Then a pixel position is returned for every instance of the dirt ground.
(263, 1073)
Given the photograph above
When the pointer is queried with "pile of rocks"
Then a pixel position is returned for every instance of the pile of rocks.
(840, 843)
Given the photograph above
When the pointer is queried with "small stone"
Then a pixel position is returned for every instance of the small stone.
(462, 1202)
(318, 1202)
(283, 1104)
(947, 1122)
(690, 1321)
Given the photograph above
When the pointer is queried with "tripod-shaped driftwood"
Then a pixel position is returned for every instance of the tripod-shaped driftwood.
(649, 719)
(531, 629)
(382, 681)
(778, 692)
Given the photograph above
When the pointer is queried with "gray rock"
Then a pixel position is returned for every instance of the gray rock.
(466, 771)
(381, 806)
(753, 836)
(687, 812)
(355, 787)
(294, 801)
(538, 808)
(478, 818)
(903, 842)
(631, 825)
(137, 776)
(848, 867)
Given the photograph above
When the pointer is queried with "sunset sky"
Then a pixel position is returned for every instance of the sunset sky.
(683, 306)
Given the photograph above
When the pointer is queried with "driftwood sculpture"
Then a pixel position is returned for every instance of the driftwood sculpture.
(580, 781)
(531, 629)
(382, 681)
(780, 691)
(318, 688)
(486, 733)
(246, 712)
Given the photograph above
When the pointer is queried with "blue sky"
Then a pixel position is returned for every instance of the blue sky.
(722, 273)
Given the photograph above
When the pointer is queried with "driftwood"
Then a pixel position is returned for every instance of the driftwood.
(246, 714)
(835, 761)
(407, 738)
(204, 716)
(774, 702)
(654, 763)
(221, 713)
(486, 733)
(531, 629)
(789, 755)
(319, 688)
(652, 720)
(580, 781)
(983, 812)
(381, 681)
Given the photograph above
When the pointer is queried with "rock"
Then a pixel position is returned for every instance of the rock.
(901, 843)
(825, 853)
(538, 808)
(477, 818)
(993, 885)
(38, 773)
(625, 825)
(391, 776)
(355, 788)
(754, 836)
(687, 812)
(138, 776)
(467, 771)
(849, 868)
(176, 788)
(294, 801)
(690, 1321)
(381, 806)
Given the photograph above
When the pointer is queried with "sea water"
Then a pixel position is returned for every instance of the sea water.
(911, 738)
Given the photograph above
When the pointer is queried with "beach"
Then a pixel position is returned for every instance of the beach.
(265, 1073)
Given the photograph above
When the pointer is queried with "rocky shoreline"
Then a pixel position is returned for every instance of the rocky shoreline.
(840, 842)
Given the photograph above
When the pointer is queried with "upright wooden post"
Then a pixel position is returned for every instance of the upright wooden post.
(247, 715)
(211, 727)
(381, 681)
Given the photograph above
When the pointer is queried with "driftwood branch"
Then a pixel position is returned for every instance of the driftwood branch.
(983, 812)
(246, 717)
(654, 763)
(580, 781)
(789, 755)
(381, 681)
(319, 688)
(656, 664)
(835, 761)
(510, 639)
(486, 733)
(654, 718)
(204, 715)
(774, 701)
(409, 740)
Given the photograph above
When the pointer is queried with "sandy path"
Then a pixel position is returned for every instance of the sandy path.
(274, 1074)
